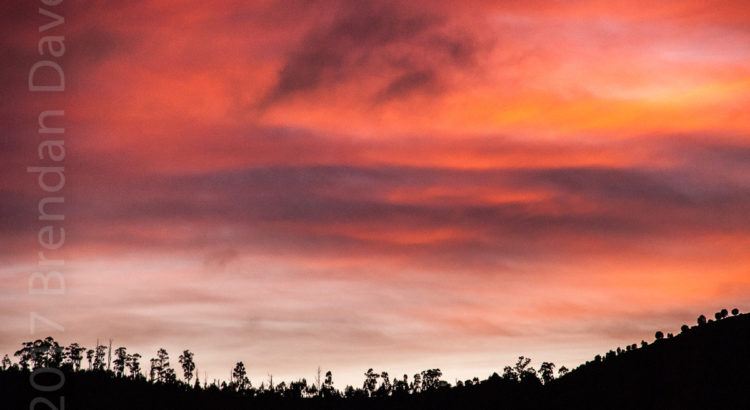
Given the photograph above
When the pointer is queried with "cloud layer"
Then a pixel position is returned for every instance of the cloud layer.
(403, 186)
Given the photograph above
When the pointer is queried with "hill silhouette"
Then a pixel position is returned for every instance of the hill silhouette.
(706, 366)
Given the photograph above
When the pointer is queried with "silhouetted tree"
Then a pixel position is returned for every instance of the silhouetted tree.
(169, 376)
(521, 371)
(188, 366)
(121, 358)
(701, 320)
(522, 364)
(684, 328)
(735, 312)
(385, 385)
(54, 354)
(431, 379)
(281, 388)
(163, 365)
(134, 366)
(723, 313)
(547, 372)
(239, 377)
(99, 353)
(515, 373)
(24, 355)
(371, 381)
(75, 354)
(327, 389)
(401, 386)
(155, 370)
(90, 357)
(416, 383)
(36, 351)
(298, 389)
(620, 379)
(510, 374)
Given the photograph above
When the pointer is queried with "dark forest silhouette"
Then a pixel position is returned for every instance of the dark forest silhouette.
(705, 366)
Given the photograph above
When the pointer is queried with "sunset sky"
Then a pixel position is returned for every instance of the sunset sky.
(396, 185)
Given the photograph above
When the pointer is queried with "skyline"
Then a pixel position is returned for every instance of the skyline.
(387, 185)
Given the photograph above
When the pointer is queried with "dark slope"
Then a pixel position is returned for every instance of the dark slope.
(706, 367)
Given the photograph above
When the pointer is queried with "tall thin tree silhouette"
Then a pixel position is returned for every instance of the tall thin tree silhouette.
(188, 365)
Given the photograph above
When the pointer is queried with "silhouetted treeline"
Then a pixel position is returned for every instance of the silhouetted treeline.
(703, 367)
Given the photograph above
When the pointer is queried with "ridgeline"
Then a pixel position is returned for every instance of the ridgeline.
(705, 367)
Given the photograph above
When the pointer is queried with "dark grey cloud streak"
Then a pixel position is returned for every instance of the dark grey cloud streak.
(330, 209)
(409, 47)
